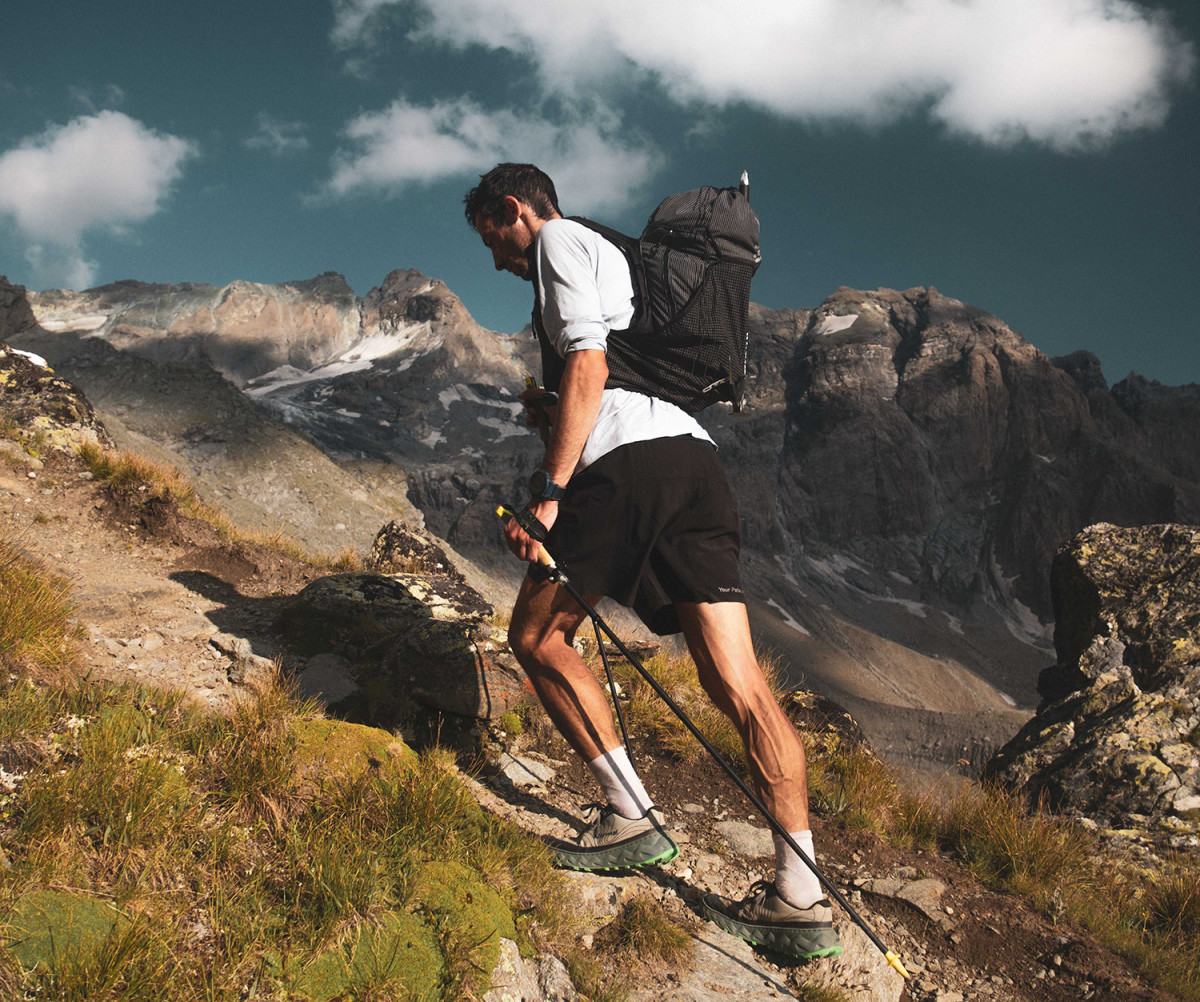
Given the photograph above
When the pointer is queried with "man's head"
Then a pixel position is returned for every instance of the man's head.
(507, 208)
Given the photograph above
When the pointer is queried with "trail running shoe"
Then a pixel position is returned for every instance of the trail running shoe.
(614, 842)
(765, 919)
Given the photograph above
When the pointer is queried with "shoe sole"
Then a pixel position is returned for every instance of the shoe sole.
(803, 943)
(645, 850)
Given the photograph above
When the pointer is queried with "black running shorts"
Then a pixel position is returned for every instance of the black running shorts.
(650, 524)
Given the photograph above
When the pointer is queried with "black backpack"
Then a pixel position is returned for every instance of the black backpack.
(691, 273)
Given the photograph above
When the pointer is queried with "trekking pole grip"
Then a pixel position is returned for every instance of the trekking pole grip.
(504, 513)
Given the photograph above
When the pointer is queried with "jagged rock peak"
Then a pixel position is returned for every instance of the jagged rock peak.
(15, 311)
(1085, 369)
(926, 436)
(406, 296)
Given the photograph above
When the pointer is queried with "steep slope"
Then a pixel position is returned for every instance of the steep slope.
(180, 609)
(159, 403)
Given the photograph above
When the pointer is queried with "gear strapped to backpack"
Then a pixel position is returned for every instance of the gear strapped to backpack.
(691, 272)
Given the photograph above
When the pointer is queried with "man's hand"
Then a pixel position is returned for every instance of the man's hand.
(540, 408)
(519, 541)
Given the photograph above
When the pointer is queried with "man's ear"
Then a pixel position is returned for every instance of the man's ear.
(512, 209)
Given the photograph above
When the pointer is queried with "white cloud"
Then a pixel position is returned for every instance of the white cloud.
(352, 19)
(92, 99)
(277, 137)
(104, 171)
(1066, 73)
(408, 144)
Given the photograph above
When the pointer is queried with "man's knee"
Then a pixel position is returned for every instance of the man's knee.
(744, 704)
(528, 641)
(544, 620)
(537, 637)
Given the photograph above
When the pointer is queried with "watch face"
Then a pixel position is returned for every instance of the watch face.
(541, 486)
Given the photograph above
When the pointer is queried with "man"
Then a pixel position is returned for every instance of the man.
(637, 507)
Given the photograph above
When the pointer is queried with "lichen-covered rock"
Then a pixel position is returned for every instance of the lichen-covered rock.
(399, 547)
(1140, 587)
(43, 407)
(431, 635)
(1117, 737)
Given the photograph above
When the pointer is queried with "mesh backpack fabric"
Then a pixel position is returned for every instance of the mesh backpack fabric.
(691, 272)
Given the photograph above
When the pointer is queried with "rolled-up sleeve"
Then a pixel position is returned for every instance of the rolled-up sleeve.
(567, 274)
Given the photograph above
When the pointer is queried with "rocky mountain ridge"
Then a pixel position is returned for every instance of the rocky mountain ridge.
(906, 469)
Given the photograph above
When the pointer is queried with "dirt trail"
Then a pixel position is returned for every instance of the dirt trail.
(176, 611)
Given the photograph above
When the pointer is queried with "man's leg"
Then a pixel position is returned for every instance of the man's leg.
(628, 832)
(718, 637)
(541, 634)
(792, 916)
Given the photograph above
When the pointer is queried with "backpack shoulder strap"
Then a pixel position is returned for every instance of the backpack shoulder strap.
(631, 247)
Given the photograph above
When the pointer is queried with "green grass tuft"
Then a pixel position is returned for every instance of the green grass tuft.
(268, 851)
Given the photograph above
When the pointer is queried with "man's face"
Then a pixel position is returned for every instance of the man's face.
(509, 245)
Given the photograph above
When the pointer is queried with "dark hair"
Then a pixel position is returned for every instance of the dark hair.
(523, 181)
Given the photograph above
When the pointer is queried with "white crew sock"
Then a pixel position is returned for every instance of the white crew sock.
(794, 881)
(621, 786)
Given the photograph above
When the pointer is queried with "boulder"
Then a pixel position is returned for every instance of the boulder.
(45, 408)
(400, 548)
(1117, 737)
(430, 635)
(15, 312)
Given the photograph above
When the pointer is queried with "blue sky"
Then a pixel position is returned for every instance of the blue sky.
(1036, 158)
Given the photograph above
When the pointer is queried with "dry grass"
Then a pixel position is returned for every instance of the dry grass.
(35, 629)
(145, 481)
(129, 472)
(645, 933)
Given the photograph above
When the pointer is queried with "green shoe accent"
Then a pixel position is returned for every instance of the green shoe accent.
(765, 919)
(615, 842)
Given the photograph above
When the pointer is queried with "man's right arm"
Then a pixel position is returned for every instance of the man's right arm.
(579, 396)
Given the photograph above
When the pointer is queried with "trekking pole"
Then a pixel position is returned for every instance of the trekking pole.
(558, 576)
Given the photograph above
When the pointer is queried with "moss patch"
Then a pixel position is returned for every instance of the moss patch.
(51, 928)
(399, 955)
(456, 898)
(329, 748)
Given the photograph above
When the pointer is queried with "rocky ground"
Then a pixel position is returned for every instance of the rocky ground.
(161, 600)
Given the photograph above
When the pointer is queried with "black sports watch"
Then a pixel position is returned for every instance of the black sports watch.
(542, 488)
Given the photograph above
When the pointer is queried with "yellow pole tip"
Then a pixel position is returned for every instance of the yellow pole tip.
(894, 959)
